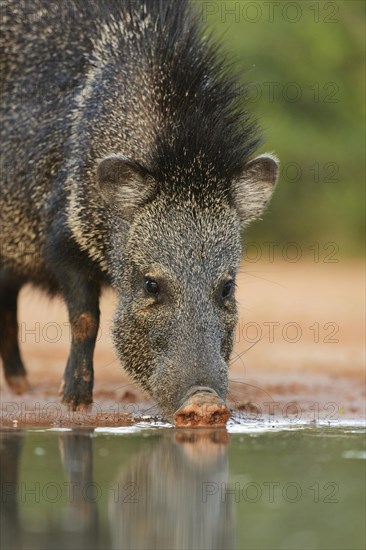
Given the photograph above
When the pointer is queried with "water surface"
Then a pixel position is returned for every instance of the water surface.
(268, 487)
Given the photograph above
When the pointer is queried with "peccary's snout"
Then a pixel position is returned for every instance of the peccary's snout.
(202, 408)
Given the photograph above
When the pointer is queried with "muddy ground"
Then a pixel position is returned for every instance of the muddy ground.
(299, 352)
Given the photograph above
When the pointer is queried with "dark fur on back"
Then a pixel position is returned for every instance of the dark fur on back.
(204, 132)
(203, 118)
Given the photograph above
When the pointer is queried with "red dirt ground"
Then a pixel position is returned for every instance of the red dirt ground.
(299, 352)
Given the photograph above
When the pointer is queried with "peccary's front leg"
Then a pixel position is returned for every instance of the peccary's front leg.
(80, 288)
(14, 370)
(83, 305)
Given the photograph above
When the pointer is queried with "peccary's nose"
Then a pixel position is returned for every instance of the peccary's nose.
(202, 408)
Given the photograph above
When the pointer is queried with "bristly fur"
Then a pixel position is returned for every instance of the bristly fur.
(83, 80)
(158, 91)
(204, 130)
(203, 117)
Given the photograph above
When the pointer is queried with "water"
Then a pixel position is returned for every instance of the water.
(268, 487)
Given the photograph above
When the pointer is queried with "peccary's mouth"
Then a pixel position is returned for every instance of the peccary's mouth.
(201, 408)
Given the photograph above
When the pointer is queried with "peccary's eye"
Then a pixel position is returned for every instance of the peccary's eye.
(151, 286)
(227, 289)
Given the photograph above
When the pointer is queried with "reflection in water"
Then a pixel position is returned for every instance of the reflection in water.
(169, 497)
(164, 488)
(10, 449)
(82, 514)
(164, 497)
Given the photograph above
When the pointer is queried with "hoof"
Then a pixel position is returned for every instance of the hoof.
(77, 403)
(18, 383)
(78, 398)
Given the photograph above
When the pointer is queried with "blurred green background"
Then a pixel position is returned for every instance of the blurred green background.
(304, 63)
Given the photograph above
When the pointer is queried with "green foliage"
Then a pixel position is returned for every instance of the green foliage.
(304, 62)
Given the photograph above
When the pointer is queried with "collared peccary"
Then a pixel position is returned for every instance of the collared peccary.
(127, 160)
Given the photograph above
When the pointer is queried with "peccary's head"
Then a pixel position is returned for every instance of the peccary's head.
(175, 254)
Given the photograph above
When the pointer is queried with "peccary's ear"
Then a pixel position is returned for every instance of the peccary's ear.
(253, 190)
(124, 184)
